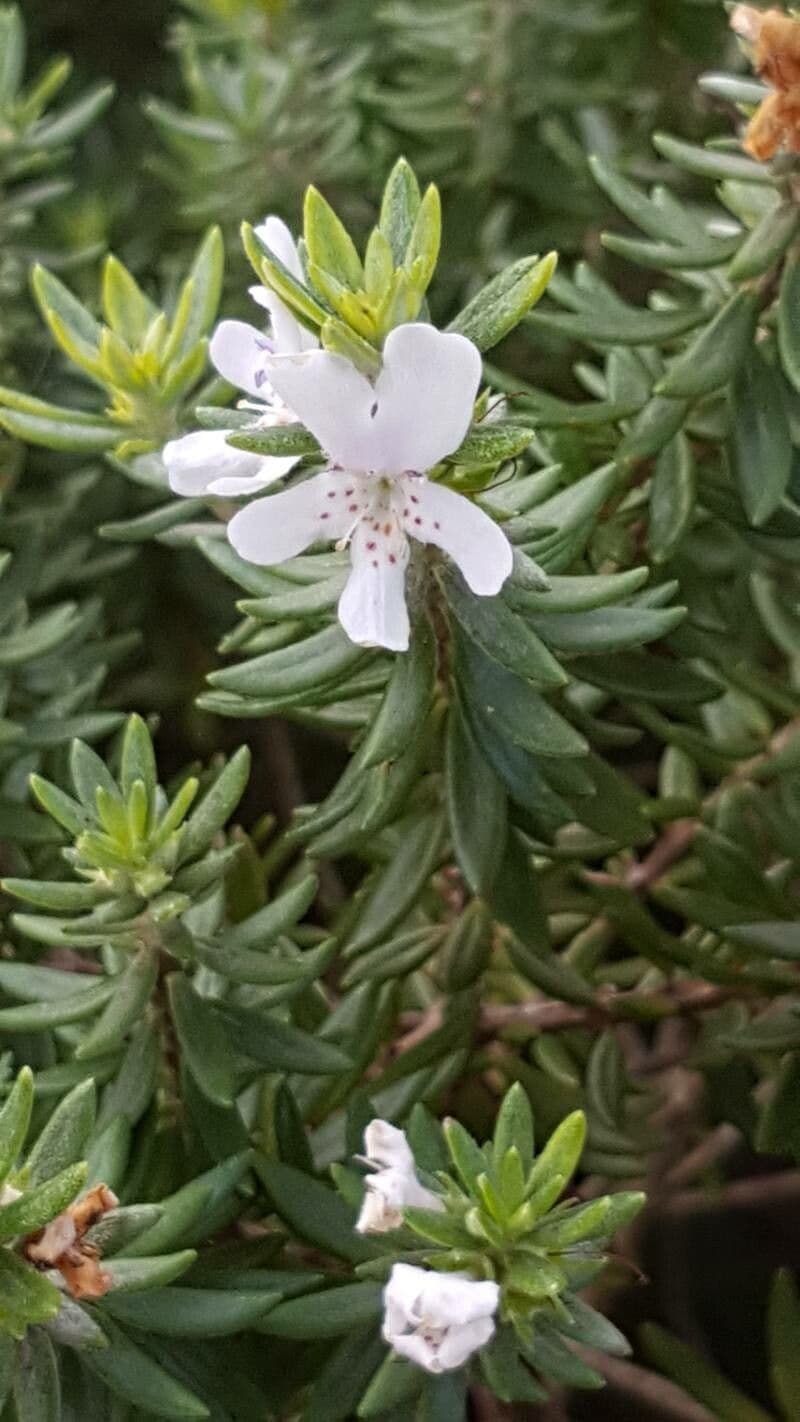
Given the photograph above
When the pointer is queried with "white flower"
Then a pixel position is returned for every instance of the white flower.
(380, 440)
(437, 1320)
(394, 1184)
(202, 462)
(8, 1194)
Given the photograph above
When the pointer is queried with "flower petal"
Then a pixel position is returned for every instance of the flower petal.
(195, 461)
(425, 393)
(334, 401)
(276, 235)
(418, 410)
(461, 1341)
(401, 1297)
(238, 351)
(381, 1209)
(386, 1145)
(272, 529)
(290, 336)
(270, 469)
(416, 1349)
(452, 1299)
(372, 608)
(435, 514)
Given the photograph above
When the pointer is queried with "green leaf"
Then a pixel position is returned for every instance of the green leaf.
(588, 1326)
(314, 1211)
(406, 702)
(766, 244)
(203, 1041)
(399, 208)
(555, 1361)
(395, 889)
(63, 897)
(296, 296)
(659, 421)
(193, 1211)
(607, 630)
(138, 757)
(341, 1382)
(712, 360)
(71, 121)
(40, 1017)
(476, 806)
(422, 252)
(280, 440)
(200, 296)
(505, 1374)
(63, 432)
(673, 490)
(126, 308)
(639, 676)
(562, 1152)
(514, 1127)
(328, 1314)
(761, 441)
(504, 636)
(190, 1313)
(699, 1378)
(88, 772)
(779, 939)
(396, 1383)
(501, 305)
(8, 1348)
(466, 1155)
(444, 1398)
(267, 970)
(26, 1297)
(668, 256)
(64, 1139)
(262, 929)
(708, 163)
(323, 657)
(778, 1131)
(619, 325)
(783, 1332)
(789, 320)
(36, 1387)
(37, 1206)
(14, 1120)
(512, 709)
(328, 243)
(491, 443)
(130, 1373)
(131, 993)
(279, 1046)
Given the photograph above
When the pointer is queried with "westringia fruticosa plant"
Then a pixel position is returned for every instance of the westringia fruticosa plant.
(378, 995)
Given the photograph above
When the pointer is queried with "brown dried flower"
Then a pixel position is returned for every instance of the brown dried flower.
(61, 1245)
(775, 37)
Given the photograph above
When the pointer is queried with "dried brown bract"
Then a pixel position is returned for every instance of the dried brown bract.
(62, 1246)
(775, 39)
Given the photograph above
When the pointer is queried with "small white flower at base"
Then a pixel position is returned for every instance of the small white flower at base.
(437, 1321)
(380, 440)
(203, 462)
(394, 1184)
(8, 1194)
